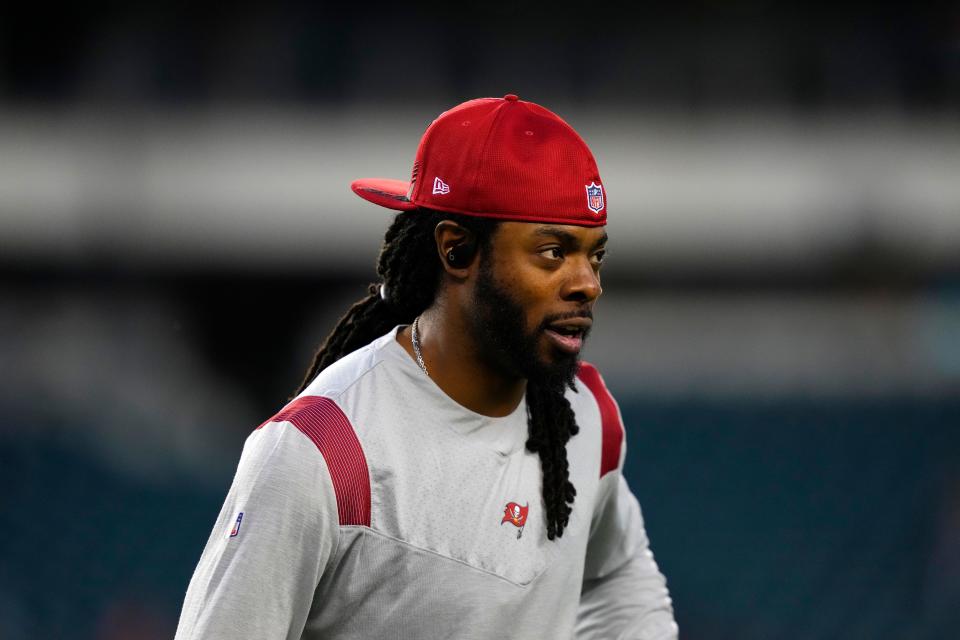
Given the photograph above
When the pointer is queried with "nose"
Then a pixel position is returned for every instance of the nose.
(583, 282)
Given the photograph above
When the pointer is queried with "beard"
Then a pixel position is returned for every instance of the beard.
(499, 328)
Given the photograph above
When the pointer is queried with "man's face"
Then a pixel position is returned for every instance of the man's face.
(534, 296)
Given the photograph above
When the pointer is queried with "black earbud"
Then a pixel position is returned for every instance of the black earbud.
(460, 256)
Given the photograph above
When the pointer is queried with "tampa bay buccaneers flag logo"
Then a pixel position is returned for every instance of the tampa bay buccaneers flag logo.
(516, 515)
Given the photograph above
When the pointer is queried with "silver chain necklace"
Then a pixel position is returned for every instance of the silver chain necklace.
(415, 338)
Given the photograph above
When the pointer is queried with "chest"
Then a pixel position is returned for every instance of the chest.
(438, 491)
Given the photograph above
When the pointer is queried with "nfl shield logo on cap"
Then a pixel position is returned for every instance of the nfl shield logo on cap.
(594, 197)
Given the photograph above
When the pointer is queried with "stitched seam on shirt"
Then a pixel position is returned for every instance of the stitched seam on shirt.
(445, 557)
(335, 395)
(336, 545)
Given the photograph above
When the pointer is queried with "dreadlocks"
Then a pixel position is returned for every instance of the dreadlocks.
(410, 271)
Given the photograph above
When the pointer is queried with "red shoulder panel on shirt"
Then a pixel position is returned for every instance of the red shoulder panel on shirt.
(321, 420)
(610, 421)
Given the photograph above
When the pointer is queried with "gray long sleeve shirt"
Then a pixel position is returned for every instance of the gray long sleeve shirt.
(374, 506)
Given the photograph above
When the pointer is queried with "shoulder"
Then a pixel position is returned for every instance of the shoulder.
(279, 472)
(331, 437)
(590, 383)
(326, 415)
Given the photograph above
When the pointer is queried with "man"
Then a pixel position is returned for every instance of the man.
(448, 469)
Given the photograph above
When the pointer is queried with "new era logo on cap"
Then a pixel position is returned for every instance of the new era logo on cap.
(441, 187)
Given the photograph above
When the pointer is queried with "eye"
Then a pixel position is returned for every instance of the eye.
(599, 257)
(552, 253)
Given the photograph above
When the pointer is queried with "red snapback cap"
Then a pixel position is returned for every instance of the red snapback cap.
(499, 158)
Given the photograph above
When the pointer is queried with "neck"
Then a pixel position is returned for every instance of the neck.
(457, 365)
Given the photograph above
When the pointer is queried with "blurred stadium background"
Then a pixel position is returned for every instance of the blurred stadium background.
(781, 318)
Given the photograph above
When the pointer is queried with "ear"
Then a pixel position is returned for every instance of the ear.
(457, 247)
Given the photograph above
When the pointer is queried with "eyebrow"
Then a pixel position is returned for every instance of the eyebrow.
(567, 237)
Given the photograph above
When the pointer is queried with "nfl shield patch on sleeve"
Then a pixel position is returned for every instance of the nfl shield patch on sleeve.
(236, 525)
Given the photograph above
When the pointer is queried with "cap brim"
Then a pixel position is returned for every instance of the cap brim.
(385, 192)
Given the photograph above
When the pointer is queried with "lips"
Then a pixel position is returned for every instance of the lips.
(567, 335)
(570, 344)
